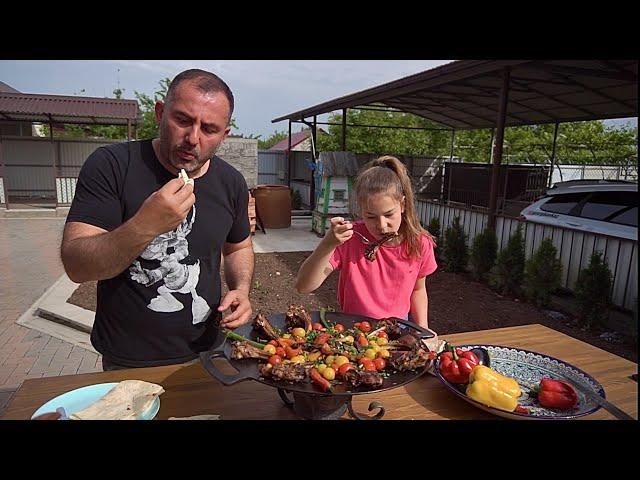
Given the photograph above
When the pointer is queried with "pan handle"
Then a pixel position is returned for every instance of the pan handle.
(425, 332)
(205, 359)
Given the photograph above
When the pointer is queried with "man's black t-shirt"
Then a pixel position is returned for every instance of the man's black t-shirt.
(152, 313)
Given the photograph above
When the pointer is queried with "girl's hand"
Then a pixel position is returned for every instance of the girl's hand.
(340, 231)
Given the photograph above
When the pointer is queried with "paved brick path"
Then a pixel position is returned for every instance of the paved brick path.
(29, 265)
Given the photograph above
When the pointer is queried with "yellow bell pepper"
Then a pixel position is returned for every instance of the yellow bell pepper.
(493, 389)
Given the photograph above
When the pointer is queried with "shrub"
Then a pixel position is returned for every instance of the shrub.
(593, 291)
(434, 229)
(542, 274)
(296, 200)
(506, 276)
(455, 247)
(483, 253)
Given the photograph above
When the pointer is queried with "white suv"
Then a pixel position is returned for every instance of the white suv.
(597, 206)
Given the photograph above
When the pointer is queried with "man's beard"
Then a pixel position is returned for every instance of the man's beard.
(190, 165)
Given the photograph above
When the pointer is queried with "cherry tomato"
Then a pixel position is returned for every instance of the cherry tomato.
(292, 352)
(317, 326)
(280, 351)
(339, 328)
(270, 349)
(367, 364)
(362, 340)
(382, 334)
(380, 364)
(357, 325)
(365, 326)
(326, 349)
(274, 343)
(275, 359)
(344, 368)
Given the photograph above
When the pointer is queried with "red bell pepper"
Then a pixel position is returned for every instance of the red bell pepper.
(556, 394)
(319, 380)
(456, 364)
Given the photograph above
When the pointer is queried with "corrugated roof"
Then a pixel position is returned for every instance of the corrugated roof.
(465, 94)
(296, 138)
(7, 88)
(67, 109)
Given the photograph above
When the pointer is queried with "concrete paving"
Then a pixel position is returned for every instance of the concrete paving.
(40, 333)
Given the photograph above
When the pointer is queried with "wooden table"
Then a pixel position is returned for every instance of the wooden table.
(190, 390)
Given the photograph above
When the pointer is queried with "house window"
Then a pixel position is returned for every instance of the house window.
(339, 195)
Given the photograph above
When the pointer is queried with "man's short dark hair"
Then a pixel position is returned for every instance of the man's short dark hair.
(206, 82)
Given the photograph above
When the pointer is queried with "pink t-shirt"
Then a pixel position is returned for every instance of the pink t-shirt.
(381, 288)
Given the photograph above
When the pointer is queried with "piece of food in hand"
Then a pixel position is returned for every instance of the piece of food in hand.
(456, 364)
(493, 389)
(126, 401)
(556, 394)
(371, 249)
(183, 175)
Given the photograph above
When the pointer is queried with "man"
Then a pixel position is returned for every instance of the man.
(154, 240)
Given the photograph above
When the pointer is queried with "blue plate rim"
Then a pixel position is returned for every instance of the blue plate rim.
(468, 346)
(153, 409)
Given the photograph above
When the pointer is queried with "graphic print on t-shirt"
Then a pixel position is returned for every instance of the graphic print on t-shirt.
(169, 249)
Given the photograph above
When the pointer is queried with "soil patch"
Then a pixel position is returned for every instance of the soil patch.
(456, 302)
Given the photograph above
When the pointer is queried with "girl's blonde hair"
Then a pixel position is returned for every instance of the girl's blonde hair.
(388, 175)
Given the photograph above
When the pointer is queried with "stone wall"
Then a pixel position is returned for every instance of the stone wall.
(242, 153)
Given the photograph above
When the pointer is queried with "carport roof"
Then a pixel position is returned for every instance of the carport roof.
(465, 94)
(24, 107)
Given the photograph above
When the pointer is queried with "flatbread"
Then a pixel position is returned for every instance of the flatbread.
(126, 401)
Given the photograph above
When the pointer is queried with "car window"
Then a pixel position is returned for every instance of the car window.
(602, 205)
(563, 203)
(627, 217)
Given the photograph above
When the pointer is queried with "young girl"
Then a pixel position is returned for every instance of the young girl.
(391, 281)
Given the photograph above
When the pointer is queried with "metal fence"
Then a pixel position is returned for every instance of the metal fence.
(37, 169)
(563, 173)
(574, 247)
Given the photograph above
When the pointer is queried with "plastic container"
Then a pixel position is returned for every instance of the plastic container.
(273, 205)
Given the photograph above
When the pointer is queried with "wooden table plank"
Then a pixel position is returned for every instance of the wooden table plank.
(190, 390)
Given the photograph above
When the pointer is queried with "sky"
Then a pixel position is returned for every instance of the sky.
(263, 89)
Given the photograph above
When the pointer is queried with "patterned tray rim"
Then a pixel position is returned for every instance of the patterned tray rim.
(591, 380)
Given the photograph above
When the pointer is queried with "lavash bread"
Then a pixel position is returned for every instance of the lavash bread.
(126, 401)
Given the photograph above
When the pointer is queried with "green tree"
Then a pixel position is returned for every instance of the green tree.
(272, 139)
(542, 274)
(386, 140)
(483, 253)
(577, 143)
(455, 247)
(507, 274)
(593, 291)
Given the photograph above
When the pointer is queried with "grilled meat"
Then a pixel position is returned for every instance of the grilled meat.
(240, 350)
(408, 340)
(292, 372)
(392, 327)
(409, 360)
(298, 316)
(262, 325)
(371, 249)
(359, 377)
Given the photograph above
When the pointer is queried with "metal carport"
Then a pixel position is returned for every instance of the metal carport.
(474, 94)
